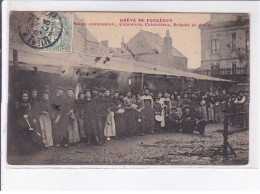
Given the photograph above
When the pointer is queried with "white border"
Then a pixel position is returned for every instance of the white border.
(142, 177)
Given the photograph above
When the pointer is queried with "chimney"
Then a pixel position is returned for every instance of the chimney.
(167, 42)
(104, 43)
(123, 43)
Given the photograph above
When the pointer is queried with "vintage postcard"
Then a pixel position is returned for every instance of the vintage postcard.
(128, 88)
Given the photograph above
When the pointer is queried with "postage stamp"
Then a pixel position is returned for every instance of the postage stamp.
(47, 31)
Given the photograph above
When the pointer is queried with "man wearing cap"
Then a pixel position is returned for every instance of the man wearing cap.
(97, 100)
(60, 118)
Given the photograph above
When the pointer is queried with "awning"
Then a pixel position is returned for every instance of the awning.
(57, 62)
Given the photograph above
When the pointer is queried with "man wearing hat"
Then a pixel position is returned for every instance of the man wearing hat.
(60, 118)
(174, 120)
(97, 101)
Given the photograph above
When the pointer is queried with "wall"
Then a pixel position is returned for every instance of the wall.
(163, 60)
(226, 56)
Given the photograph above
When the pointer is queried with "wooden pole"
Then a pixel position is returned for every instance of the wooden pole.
(225, 135)
(15, 58)
(15, 64)
(183, 85)
(142, 81)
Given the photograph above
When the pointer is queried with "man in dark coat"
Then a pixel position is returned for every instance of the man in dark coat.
(97, 100)
(35, 103)
(188, 122)
(200, 121)
(174, 120)
(90, 116)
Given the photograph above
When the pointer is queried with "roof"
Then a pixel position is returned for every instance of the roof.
(84, 31)
(57, 62)
(146, 42)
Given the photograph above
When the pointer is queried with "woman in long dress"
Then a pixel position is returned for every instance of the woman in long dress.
(178, 105)
(110, 128)
(161, 101)
(80, 106)
(217, 108)
(118, 109)
(211, 103)
(23, 105)
(72, 121)
(138, 109)
(131, 127)
(28, 139)
(147, 113)
(45, 120)
(60, 118)
(203, 106)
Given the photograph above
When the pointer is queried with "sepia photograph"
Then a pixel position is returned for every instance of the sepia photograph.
(128, 88)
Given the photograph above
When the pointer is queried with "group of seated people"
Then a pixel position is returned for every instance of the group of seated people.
(64, 119)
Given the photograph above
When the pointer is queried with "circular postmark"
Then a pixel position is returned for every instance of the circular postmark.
(40, 30)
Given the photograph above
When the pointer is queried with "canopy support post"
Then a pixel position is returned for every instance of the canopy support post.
(142, 81)
(183, 85)
(15, 58)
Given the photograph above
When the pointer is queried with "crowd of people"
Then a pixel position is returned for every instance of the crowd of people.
(99, 115)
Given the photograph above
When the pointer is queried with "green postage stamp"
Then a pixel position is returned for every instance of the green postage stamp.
(47, 31)
(64, 42)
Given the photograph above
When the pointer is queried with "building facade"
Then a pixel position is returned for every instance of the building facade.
(225, 47)
(150, 48)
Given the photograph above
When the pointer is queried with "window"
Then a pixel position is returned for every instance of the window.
(247, 42)
(234, 41)
(214, 46)
(215, 70)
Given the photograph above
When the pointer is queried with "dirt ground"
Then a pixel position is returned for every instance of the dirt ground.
(161, 149)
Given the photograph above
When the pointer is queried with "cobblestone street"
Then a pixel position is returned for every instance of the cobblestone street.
(161, 149)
